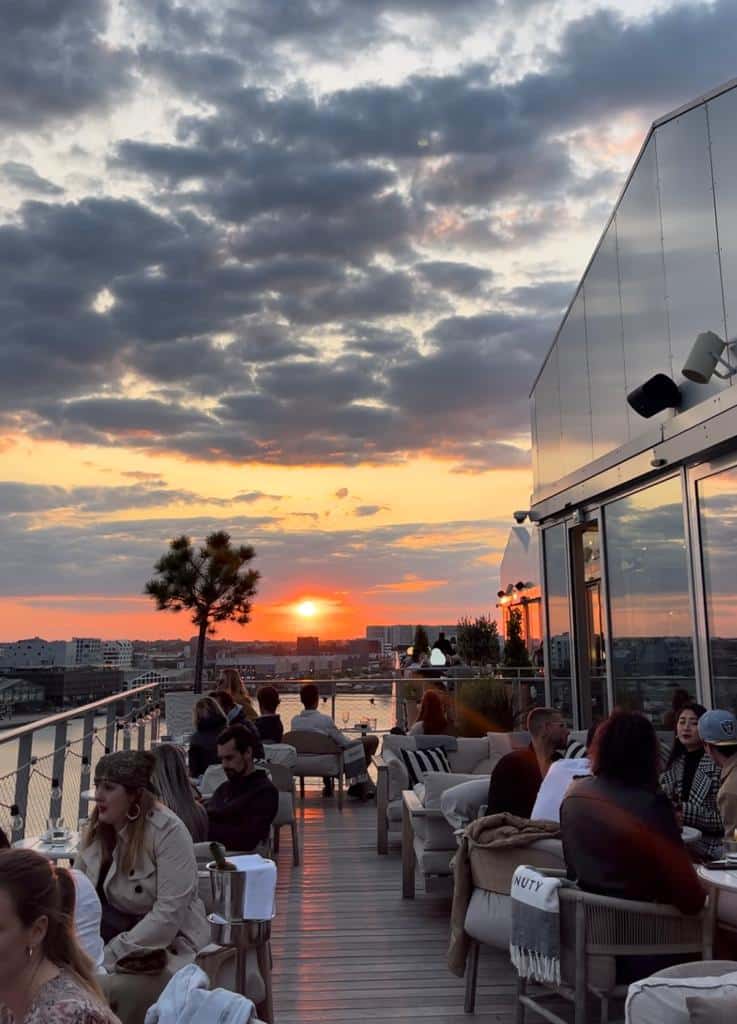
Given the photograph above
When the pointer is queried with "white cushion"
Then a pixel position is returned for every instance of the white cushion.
(313, 765)
(462, 802)
(280, 753)
(501, 743)
(470, 753)
(398, 775)
(489, 918)
(437, 783)
(658, 1000)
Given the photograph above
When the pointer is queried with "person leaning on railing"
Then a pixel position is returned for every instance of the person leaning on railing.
(45, 977)
(140, 857)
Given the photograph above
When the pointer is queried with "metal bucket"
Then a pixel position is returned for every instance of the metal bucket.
(228, 892)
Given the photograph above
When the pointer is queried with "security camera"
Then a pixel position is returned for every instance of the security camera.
(655, 395)
(702, 360)
(521, 515)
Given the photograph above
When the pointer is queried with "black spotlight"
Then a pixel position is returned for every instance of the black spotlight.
(656, 394)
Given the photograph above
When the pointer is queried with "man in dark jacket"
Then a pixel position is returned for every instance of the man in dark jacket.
(241, 810)
(518, 776)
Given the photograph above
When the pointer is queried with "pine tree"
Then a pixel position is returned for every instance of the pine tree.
(213, 583)
(478, 640)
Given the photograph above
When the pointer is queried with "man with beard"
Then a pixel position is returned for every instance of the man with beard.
(241, 810)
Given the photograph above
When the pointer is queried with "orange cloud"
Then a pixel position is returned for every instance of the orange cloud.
(409, 585)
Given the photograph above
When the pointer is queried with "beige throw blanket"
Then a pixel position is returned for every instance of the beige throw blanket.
(495, 832)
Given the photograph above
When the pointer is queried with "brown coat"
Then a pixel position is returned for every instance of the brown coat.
(162, 885)
(490, 850)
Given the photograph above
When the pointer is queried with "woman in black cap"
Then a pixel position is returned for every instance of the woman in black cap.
(140, 857)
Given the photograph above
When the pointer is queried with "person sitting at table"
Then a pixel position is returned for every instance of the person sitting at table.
(558, 780)
(45, 976)
(517, 777)
(242, 808)
(691, 782)
(209, 721)
(230, 680)
(140, 857)
(619, 831)
(312, 720)
(432, 718)
(172, 785)
(269, 723)
(718, 730)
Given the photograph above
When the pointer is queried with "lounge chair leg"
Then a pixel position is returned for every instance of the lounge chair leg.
(519, 1009)
(265, 1009)
(295, 844)
(302, 786)
(604, 1011)
(340, 792)
(276, 839)
(472, 970)
(408, 856)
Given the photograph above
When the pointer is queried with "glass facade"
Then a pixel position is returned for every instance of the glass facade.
(558, 615)
(664, 271)
(717, 502)
(649, 604)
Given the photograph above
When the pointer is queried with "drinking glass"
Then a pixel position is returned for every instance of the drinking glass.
(82, 825)
(730, 851)
(346, 716)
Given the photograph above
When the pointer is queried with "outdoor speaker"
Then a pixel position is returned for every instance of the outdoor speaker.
(656, 394)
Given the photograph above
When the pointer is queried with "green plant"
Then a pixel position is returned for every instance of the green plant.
(212, 582)
(484, 705)
(516, 654)
(478, 640)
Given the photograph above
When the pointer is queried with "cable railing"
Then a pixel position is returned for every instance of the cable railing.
(56, 757)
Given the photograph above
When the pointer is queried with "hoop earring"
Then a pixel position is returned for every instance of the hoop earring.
(29, 952)
(135, 816)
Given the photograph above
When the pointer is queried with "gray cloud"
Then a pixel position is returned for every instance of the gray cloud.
(23, 176)
(54, 61)
(362, 511)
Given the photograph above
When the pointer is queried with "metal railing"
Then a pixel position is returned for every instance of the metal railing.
(52, 772)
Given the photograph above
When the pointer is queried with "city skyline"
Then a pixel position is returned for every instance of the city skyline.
(293, 277)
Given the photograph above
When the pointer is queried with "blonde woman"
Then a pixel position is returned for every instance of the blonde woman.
(45, 977)
(174, 789)
(230, 680)
(140, 857)
(209, 720)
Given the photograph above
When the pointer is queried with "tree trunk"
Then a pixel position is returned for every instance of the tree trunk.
(200, 659)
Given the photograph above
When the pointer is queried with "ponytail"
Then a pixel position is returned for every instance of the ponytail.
(39, 889)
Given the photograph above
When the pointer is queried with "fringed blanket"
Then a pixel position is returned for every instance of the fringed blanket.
(535, 941)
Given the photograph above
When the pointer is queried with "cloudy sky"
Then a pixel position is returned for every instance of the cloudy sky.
(288, 267)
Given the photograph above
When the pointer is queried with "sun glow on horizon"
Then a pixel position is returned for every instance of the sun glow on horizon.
(307, 609)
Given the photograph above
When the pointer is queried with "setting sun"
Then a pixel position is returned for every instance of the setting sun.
(307, 609)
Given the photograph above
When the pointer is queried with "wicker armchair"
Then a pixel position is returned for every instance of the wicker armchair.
(595, 930)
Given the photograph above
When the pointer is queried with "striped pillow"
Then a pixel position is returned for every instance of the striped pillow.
(432, 759)
(574, 749)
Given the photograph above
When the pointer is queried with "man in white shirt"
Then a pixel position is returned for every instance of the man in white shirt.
(312, 720)
(555, 786)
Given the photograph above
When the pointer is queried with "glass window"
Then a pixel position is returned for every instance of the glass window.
(605, 350)
(642, 281)
(557, 598)
(722, 119)
(547, 419)
(575, 404)
(689, 241)
(718, 520)
(652, 645)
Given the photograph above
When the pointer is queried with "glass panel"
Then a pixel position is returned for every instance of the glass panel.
(690, 242)
(722, 120)
(547, 410)
(718, 518)
(644, 322)
(557, 598)
(575, 404)
(533, 438)
(652, 646)
(610, 427)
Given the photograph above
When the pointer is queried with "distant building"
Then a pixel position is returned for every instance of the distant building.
(117, 654)
(14, 691)
(87, 650)
(35, 652)
(400, 635)
(68, 686)
(308, 645)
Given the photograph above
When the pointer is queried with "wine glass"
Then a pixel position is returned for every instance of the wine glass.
(345, 716)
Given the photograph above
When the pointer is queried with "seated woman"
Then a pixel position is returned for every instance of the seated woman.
(620, 836)
(140, 858)
(230, 680)
(619, 831)
(691, 780)
(209, 721)
(174, 789)
(45, 977)
(432, 718)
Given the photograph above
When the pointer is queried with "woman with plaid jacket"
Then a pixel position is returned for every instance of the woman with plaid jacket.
(692, 781)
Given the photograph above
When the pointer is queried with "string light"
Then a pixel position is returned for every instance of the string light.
(16, 819)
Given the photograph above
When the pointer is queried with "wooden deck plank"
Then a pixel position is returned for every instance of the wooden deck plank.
(347, 947)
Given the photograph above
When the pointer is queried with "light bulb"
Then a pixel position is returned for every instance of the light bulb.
(16, 820)
(55, 790)
(85, 768)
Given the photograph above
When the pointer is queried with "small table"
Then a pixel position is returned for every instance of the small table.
(52, 851)
(690, 835)
(718, 880)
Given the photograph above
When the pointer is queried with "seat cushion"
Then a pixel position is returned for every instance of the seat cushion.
(417, 762)
(280, 753)
(461, 802)
(470, 753)
(719, 1009)
(312, 765)
(659, 1000)
(285, 810)
(489, 918)
(433, 862)
(436, 784)
(398, 774)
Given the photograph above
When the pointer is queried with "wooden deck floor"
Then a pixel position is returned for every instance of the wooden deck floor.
(348, 948)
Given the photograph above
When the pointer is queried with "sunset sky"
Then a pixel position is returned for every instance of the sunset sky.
(288, 268)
